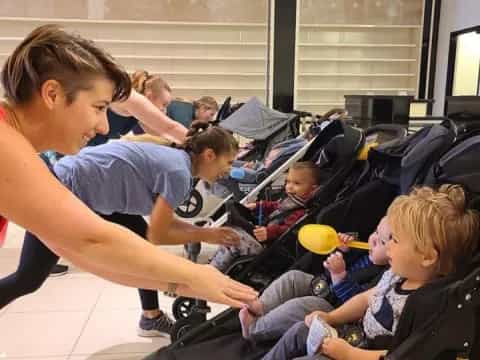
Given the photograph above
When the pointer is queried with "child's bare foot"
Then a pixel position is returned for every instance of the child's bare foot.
(256, 307)
(246, 319)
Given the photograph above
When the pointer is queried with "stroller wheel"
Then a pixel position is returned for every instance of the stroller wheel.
(183, 326)
(191, 207)
(182, 307)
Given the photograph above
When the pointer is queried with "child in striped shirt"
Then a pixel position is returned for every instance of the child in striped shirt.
(291, 297)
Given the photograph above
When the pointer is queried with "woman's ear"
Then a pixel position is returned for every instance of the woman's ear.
(51, 92)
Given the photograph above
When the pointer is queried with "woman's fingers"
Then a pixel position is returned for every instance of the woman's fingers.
(232, 302)
(242, 289)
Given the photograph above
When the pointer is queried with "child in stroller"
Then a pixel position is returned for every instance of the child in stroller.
(432, 232)
(295, 294)
(246, 174)
(302, 180)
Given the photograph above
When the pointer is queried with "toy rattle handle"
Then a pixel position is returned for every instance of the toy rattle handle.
(358, 245)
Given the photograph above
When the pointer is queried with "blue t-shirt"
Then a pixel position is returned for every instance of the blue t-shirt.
(126, 177)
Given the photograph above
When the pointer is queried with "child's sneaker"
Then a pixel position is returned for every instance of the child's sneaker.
(161, 325)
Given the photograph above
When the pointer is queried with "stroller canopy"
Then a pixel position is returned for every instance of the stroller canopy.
(256, 121)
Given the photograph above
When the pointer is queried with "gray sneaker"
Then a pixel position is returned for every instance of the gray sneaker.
(160, 326)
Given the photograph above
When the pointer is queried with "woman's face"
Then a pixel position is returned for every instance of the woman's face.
(161, 101)
(204, 113)
(212, 167)
(74, 125)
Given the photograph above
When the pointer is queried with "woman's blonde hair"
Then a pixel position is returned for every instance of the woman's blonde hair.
(437, 220)
(148, 138)
(142, 82)
(206, 101)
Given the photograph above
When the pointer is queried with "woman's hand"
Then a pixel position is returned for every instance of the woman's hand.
(260, 233)
(222, 236)
(249, 165)
(337, 349)
(336, 266)
(210, 284)
(322, 314)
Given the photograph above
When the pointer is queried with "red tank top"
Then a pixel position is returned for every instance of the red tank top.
(3, 221)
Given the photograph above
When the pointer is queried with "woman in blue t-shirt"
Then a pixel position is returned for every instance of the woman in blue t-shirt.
(123, 181)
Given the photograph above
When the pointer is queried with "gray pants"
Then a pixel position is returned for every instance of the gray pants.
(226, 255)
(292, 345)
(286, 301)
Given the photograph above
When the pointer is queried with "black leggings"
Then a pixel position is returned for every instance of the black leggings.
(36, 262)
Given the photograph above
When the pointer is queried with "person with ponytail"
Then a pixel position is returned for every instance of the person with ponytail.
(57, 88)
(123, 181)
(145, 110)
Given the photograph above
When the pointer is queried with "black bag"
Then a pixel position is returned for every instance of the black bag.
(405, 162)
(459, 165)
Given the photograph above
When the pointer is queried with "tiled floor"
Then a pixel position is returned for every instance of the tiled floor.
(74, 317)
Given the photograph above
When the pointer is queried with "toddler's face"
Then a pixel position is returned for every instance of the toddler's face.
(404, 258)
(378, 243)
(300, 183)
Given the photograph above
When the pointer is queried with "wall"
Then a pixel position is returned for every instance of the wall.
(455, 15)
(140, 10)
(200, 47)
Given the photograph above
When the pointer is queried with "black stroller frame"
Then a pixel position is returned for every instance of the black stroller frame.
(190, 312)
(440, 320)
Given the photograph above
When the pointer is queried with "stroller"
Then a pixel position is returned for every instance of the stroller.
(221, 333)
(190, 312)
(254, 121)
(337, 139)
(442, 320)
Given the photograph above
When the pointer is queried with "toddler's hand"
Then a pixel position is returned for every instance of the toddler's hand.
(344, 239)
(322, 314)
(337, 348)
(260, 233)
(336, 266)
(249, 165)
(251, 206)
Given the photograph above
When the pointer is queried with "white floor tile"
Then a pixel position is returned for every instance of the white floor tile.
(8, 261)
(114, 332)
(45, 334)
(65, 293)
(115, 297)
(14, 239)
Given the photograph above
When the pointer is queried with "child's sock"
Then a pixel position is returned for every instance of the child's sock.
(246, 320)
